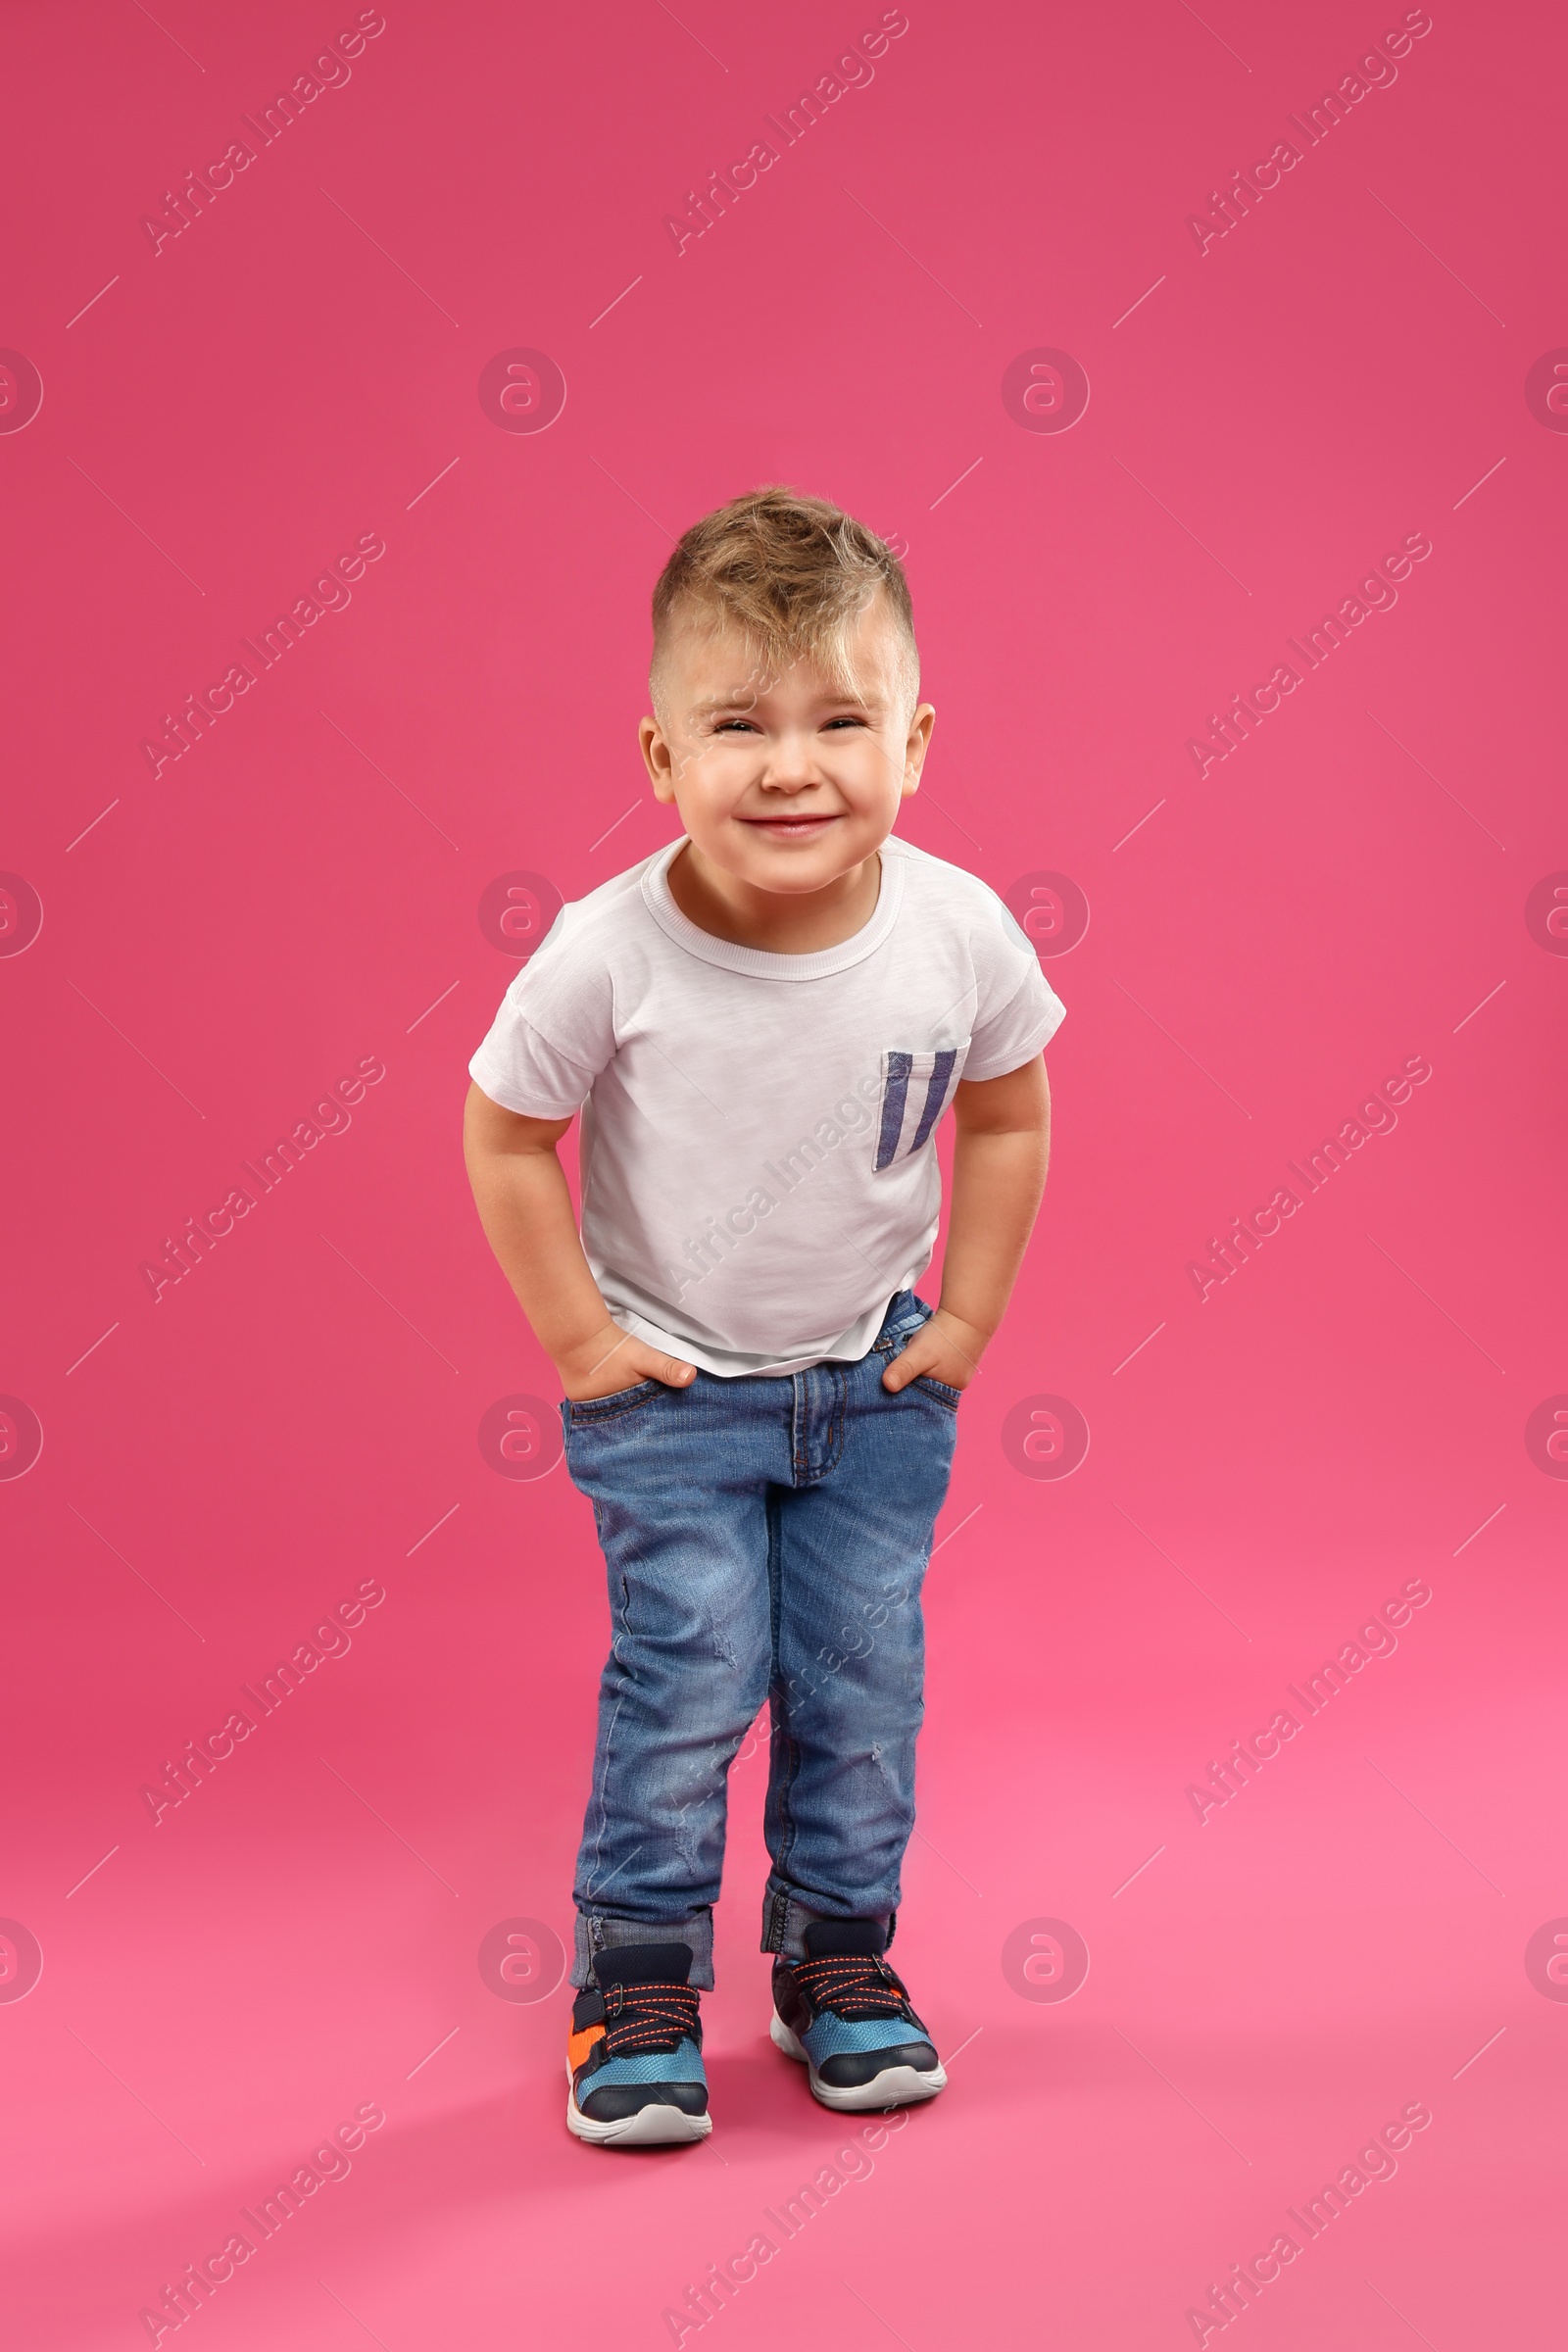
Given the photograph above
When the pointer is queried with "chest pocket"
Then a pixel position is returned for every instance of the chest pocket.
(917, 1089)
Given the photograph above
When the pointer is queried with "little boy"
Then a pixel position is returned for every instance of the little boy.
(762, 1025)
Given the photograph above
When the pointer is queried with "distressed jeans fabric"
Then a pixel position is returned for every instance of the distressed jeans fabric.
(766, 1538)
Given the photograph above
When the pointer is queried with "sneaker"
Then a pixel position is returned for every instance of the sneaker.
(845, 2015)
(635, 2061)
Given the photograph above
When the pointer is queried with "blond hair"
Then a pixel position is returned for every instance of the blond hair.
(792, 574)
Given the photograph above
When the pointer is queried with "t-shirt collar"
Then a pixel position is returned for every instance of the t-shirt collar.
(761, 963)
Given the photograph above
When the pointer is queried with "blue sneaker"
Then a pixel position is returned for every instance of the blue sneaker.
(845, 2015)
(634, 2059)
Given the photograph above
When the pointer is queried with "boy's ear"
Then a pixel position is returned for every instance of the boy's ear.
(917, 743)
(657, 759)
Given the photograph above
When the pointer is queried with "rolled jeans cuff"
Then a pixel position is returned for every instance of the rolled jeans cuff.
(785, 1920)
(599, 1931)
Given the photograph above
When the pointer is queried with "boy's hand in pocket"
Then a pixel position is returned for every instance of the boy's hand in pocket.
(945, 1349)
(611, 1360)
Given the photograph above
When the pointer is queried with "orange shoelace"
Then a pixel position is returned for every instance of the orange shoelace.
(648, 2017)
(851, 1986)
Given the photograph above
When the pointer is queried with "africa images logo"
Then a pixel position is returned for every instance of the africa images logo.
(516, 911)
(521, 1960)
(21, 1438)
(1545, 389)
(21, 391)
(21, 1960)
(520, 1436)
(522, 390)
(1050, 911)
(1045, 390)
(1045, 1437)
(1045, 1960)
(21, 914)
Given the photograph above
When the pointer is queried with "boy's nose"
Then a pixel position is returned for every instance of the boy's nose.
(791, 765)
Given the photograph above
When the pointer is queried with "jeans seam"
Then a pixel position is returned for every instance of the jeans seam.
(622, 1617)
(781, 1743)
(786, 1831)
(775, 1563)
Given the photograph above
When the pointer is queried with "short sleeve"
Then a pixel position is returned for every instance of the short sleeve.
(551, 1035)
(1018, 1010)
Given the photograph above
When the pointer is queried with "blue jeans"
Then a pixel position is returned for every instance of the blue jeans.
(765, 1537)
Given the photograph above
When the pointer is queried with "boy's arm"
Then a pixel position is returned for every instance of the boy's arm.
(525, 1208)
(998, 1173)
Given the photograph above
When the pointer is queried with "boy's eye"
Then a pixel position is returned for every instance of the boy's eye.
(727, 726)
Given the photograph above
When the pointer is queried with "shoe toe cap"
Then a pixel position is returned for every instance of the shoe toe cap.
(617, 2100)
(849, 2069)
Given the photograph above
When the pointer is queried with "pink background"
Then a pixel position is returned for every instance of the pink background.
(1267, 418)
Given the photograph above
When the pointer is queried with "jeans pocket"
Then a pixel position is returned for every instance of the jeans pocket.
(938, 1388)
(586, 1412)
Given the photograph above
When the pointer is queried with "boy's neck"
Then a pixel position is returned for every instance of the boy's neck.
(778, 922)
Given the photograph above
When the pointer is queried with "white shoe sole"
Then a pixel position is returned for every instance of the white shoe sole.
(657, 2125)
(894, 2087)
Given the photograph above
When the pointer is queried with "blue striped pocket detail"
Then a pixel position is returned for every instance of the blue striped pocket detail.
(895, 1095)
(917, 1089)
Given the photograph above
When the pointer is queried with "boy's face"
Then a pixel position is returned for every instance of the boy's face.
(786, 782)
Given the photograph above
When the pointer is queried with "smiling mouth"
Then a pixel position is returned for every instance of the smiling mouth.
(797, 825)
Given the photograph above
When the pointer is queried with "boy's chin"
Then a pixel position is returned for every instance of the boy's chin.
(801, 871)
(785, 863)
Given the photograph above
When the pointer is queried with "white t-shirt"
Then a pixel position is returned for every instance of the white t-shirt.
(758, 1171)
